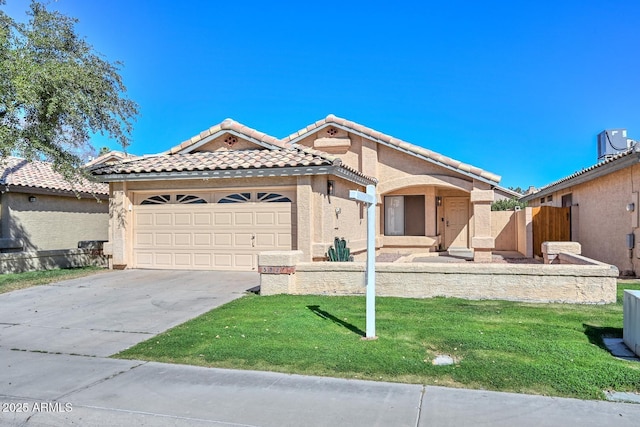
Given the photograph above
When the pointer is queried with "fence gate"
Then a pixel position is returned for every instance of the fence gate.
(550, 224)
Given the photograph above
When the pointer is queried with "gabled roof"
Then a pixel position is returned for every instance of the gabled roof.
(612, 164)
(227, 126)
(241, 163)
(110, 157)
(36, 175)
(396, 143)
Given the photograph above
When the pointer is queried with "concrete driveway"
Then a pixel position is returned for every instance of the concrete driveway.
(103, 314)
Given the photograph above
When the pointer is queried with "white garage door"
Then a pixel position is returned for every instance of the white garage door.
(178, 231)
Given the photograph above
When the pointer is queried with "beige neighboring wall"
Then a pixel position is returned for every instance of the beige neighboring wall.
(600, 221)
(53, 222)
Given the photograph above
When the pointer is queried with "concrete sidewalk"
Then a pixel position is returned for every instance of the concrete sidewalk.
(92, 391)
(53, 369)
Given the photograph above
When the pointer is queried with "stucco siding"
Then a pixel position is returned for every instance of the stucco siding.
(54, 222)
(600, 221)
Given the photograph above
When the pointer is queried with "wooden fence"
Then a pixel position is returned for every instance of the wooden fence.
(550, 224)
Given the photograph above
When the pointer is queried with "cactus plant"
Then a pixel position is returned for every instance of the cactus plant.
(339, 251)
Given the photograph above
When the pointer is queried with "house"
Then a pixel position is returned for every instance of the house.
(40, 210)
(603, 205)
(221, 197)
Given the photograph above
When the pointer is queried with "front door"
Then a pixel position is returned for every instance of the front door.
(456, 222)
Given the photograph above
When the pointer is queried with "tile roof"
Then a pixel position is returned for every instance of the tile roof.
(163, 163)
(611, 161)
(228, 125)
(223, 160)
(389, 140)
(19, 172)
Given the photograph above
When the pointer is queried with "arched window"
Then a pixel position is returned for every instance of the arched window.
(189, 199)
(156, 200)
(272, 197)
(236, 198)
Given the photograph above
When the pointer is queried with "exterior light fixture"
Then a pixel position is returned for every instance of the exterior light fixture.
(32, 199)
(331, 188)
(631, 207)
(438, 201)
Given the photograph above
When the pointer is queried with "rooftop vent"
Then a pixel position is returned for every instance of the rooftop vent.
(612, 142)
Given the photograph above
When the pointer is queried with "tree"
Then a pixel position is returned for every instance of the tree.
(56, 91)
(507, 204)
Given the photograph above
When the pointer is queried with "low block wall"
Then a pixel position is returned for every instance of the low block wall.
(18, 262)
(584, 284)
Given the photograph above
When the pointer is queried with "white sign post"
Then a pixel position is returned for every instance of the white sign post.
(369, 198)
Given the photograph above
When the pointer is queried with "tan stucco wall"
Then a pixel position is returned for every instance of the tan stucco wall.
(583, 284)
(600, 221)
(503, 230)
(53, 222)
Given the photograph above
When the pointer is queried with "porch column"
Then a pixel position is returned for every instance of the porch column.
(304, 218)
(482, 242)
(118, 222)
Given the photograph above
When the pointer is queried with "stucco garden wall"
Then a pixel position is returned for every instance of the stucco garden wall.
(19, 262)
(584, 284)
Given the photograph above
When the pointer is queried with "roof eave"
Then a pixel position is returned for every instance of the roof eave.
(597, 172)
(403, 150)
(51, 192)
(240, 173)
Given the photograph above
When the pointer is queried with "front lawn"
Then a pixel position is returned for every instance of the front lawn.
(14, 281)
(550, 349)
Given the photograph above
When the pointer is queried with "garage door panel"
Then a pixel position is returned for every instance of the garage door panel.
(223, 239)
(163, 259)
(202, 218)
(144, 259)
(283, 218)
(209, 236)
(243, 261)
(265, 218)
(144, 239)
(243, 218)
(163, 219)
(182, 260)
(163, 239)
(182, 219)
(143, 219)
(223, 218)
(182, 239)
(284, 241)
(202, 239)
(203, 260)
(265, 240)
(243, 240)
(222, 260)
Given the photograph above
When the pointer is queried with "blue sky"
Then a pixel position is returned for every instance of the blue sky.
(519, 88)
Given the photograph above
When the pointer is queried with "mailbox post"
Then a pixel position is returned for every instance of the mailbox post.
(369, 199)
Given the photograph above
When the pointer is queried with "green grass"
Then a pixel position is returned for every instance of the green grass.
(14, 281)
(549, 349)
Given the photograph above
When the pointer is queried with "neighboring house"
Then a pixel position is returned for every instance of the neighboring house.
(604, 208)
(40, 210)
(218, 199)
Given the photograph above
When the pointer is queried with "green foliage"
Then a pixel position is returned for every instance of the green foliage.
(550, 349)
(339, 251)
(56, 91)
(507, 205)
(14, 281)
